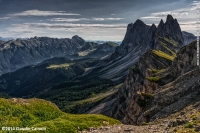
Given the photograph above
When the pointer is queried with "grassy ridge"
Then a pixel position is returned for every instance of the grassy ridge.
(40, 113)
(164, 45)
(163, 54)
(64, 66)
(20, 112)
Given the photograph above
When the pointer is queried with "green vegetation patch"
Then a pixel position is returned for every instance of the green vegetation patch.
(21, 112)
(70, 96)
(171, 41)
(164, 45)
(153, 79)
(60, 66)
(188, 125)
(163, 55)
(94, 98)
(155, 71)
(147, 95)
(144, 123)
(73, 123)
(86, 52)
(40, 113)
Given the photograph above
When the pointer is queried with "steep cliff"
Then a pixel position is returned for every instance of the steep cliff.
(155, 87)
(139, 38)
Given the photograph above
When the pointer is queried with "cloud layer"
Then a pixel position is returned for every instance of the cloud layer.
(102, 20)
(43, 13)
(187, 16)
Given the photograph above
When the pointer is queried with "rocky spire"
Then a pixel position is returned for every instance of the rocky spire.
(170, 28)
(161, 24)
(139, 22)
(153, 26)
(78, 40)
(169, 18)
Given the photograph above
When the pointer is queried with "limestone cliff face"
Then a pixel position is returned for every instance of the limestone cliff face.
(165, 97)
(128, 110)
(138, 39)
(154, 88)
(186, 59)
(148, 70)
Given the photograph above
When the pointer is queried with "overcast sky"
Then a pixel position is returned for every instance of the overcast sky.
(90, 19)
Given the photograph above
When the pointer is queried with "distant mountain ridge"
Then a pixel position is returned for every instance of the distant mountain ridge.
(6, 38)
(102, 42)
(188, 37)
(32, 79)
(18, 53)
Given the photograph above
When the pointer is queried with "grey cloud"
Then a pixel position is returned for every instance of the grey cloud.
(81, 14)
(67, 19)
(66, 25)
(82, 19)
(4, 18)
(103, 19)
(42, 13)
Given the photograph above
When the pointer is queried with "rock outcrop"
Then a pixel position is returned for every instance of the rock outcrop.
(171, 89)
(171, 29)
(156, 88)
(139, 38)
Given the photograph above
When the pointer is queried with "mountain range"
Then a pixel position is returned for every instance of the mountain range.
(149, 77)
(6, 38)
(18, 53)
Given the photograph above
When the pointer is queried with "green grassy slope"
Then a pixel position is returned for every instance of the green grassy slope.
(40, 113)
(164, 55)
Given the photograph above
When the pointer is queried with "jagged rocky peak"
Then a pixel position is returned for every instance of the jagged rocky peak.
(161, 24)
(169, 18)
(152, 29)
(140, 37)
(139, 22)
(135, 32)
(171, 29)
(153, 26)
(79, 40)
